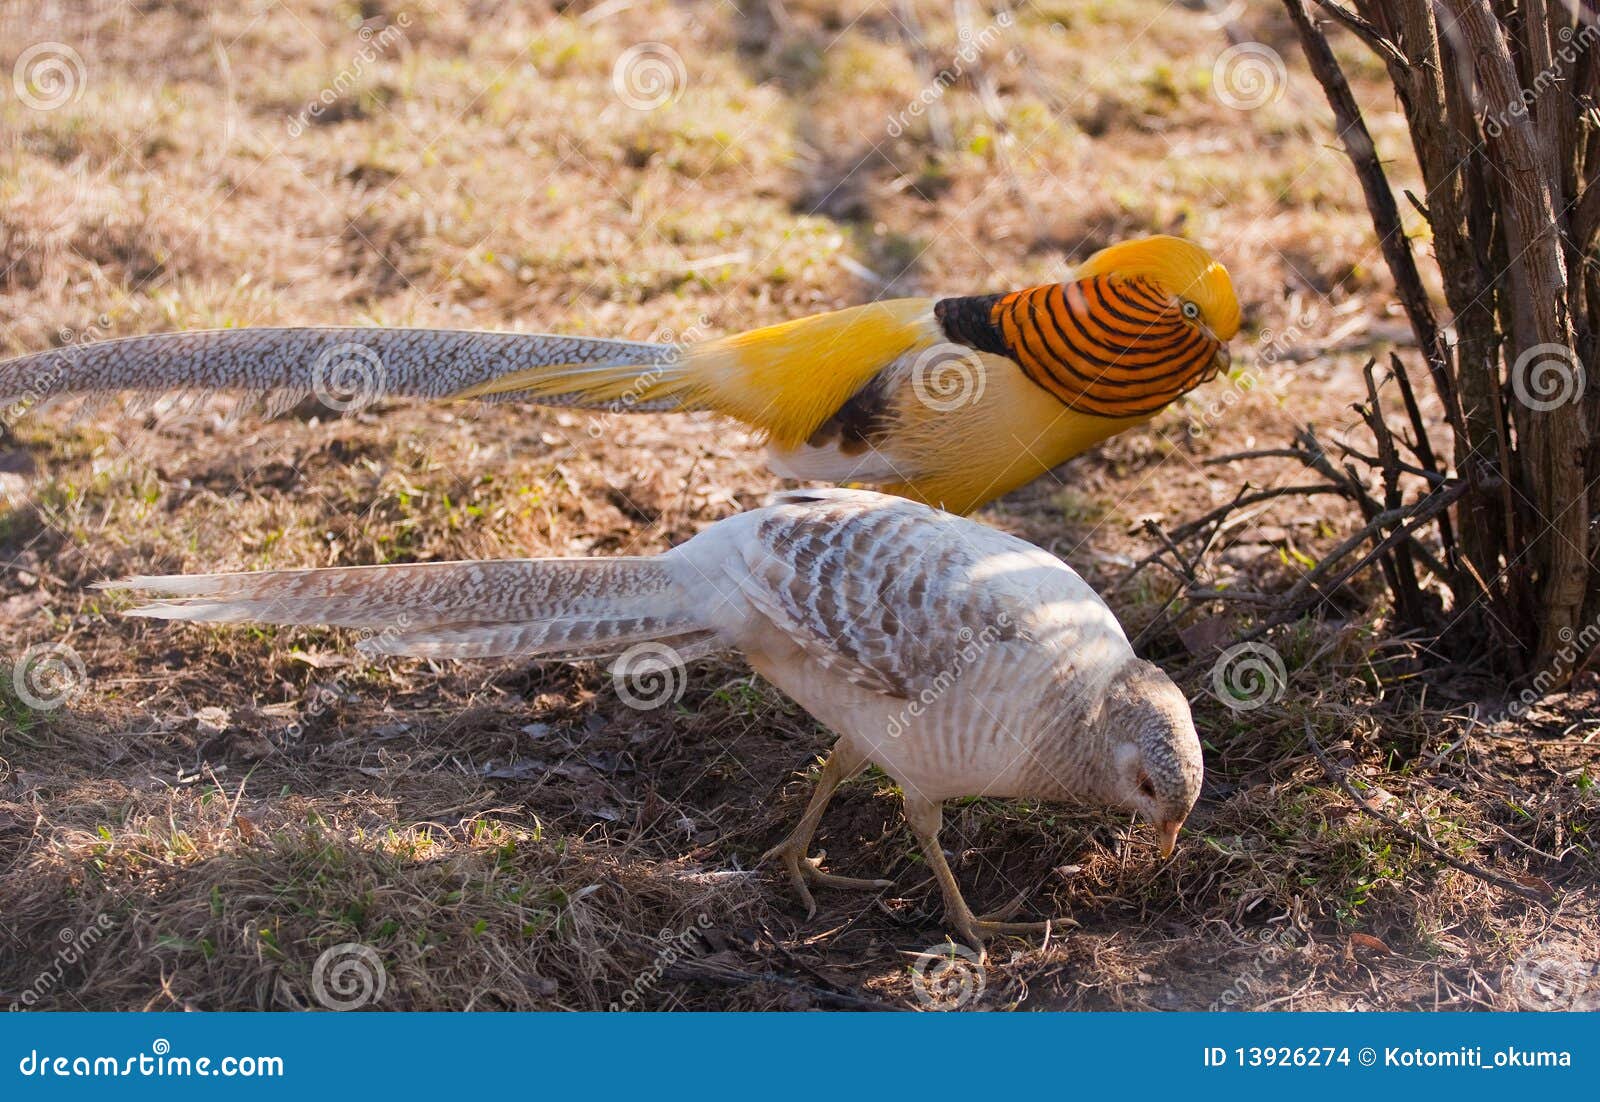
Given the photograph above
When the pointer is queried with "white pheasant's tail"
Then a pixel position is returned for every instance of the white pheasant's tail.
(552, 608)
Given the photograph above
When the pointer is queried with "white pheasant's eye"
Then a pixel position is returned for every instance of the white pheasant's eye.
(1190, 311)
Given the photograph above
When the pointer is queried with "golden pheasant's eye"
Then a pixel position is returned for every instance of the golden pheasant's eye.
(1191, 311)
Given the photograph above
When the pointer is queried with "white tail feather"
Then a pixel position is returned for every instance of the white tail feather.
(559, 608)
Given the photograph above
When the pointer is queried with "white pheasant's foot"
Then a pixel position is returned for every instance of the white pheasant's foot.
(976, 929)
(923, 816)
(803, 869)
(1005, 914)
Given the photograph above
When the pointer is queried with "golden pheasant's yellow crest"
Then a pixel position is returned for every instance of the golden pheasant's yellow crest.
(1180, 267)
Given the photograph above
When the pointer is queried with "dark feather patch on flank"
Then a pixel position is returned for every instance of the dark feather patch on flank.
(859, 423)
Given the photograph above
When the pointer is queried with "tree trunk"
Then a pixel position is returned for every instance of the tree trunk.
(1503, 107)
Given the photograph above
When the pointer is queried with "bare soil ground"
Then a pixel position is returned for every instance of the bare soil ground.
(222, 805)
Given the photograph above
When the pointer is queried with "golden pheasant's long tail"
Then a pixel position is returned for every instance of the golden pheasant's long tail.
(552, 608)
(784, 380)
(346, 367)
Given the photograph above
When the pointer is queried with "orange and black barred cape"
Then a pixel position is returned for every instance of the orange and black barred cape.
(1107, 346)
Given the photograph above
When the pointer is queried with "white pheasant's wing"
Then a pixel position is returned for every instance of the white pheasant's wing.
(891, 594)
(346, 367)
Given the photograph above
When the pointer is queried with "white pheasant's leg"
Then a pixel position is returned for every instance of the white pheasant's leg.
(925, 818)
(842, 764)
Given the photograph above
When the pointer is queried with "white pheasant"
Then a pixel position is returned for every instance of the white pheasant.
(960, 660)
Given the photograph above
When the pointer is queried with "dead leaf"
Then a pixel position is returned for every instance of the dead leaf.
(521, 770)
(320, 660)
(1537, 883)
(1379, 798)
(1370, 943)
(212, 721)
(1267, 533)
(250, 745)
(1207, 635)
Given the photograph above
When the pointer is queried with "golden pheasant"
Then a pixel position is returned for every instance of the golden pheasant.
(952, 402)
(961, 660)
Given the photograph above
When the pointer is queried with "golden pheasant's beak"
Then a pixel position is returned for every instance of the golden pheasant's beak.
(1221, 361)
(1167, 835)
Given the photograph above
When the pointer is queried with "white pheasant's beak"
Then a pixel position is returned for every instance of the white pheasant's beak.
(1167, 836)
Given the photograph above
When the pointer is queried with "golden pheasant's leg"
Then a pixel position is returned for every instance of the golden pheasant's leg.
(842, 764)
(925, 817)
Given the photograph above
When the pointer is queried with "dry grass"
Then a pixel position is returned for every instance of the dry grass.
(233, 802)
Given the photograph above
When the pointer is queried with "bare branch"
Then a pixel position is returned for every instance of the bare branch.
(1371, 35)
(1363, 155)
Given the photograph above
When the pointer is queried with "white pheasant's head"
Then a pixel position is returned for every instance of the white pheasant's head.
(1155, 758)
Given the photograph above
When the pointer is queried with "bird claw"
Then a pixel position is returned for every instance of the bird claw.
(802, 869)
(976, 929)
(1007, 912)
